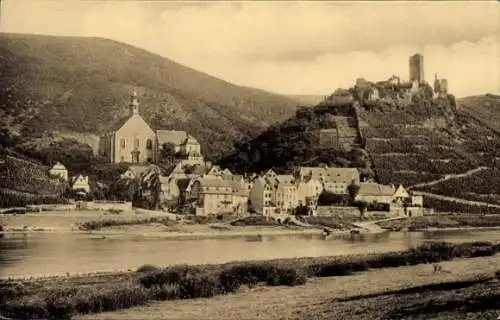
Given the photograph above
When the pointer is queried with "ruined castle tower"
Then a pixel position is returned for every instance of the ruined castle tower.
(417, 68)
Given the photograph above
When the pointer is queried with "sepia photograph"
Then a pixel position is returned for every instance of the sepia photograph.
(288, 160)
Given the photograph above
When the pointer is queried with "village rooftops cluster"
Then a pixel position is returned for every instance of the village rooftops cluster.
(205, 189)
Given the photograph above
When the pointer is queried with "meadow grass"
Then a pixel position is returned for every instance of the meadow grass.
(106, 223)
(61, 299)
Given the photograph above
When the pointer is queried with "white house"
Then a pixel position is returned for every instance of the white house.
(59, 170)
(80, 183)
(370, 192)
(308, 192)
(212, 196)
(334, 180)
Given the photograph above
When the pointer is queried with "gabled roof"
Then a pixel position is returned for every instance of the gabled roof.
(171, 136)
(401, 190)
(138, 169)
(59, 166)
(375, 189)
(341, 174)
(78, 177)
(118, 124)
(191, 139)
(329, 174)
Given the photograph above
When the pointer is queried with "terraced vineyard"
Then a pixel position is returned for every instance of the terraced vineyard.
(408, 148)
(20, 178)
(481, 186)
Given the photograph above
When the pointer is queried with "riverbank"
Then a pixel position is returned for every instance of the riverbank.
(458, 221)
(63, 296)
(357, 296)
(149, 224)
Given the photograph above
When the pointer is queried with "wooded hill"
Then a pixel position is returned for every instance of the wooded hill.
(82, 85)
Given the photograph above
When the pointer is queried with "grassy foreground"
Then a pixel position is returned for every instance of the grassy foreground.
(64, 297)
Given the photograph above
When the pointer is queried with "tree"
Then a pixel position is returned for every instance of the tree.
(301, 210)
(353, 190)
(168, 152)
(362, 206)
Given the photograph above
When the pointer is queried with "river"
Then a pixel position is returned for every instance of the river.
(39, 254)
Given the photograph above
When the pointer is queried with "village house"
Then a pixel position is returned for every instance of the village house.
(417, 200)
(59, 170)
(308, 192)
(401, 196)
(271, 192)
(132, 140)
(212, 196)
(240, 197)
(286, 196)
(171, 176)
(334, 180)
(371, 192)
(80, 182)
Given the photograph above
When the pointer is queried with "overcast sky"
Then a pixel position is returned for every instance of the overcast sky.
(291, 47)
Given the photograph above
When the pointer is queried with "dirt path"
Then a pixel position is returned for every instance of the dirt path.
(449, 177)
(286, 302)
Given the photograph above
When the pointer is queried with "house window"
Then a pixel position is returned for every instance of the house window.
(136, 144)
(149, 144)
(122, 143)
(122, 159)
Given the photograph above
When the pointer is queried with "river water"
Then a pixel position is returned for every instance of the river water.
(51, 253)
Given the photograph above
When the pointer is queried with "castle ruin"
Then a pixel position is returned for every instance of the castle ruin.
(417, 68)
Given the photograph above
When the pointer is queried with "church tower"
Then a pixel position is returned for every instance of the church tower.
(134, 105)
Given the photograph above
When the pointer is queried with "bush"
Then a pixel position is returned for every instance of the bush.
(285, 277)
(147, 268)
(198, 285)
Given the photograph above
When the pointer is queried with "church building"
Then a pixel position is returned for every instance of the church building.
(131, 140)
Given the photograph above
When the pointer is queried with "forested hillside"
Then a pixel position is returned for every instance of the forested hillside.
(82, 85)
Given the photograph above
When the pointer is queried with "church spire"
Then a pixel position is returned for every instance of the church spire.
(134, 105)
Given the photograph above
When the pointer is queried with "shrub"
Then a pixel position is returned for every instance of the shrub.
(198, 285)
(172, 275)
(147, 268)
(282, 276)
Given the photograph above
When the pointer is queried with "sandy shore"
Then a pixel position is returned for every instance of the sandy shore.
(312, 300)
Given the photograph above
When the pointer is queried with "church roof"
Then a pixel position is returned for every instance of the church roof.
(118, 124)
(171, 136)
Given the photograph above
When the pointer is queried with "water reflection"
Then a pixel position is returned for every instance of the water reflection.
(42, 254)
